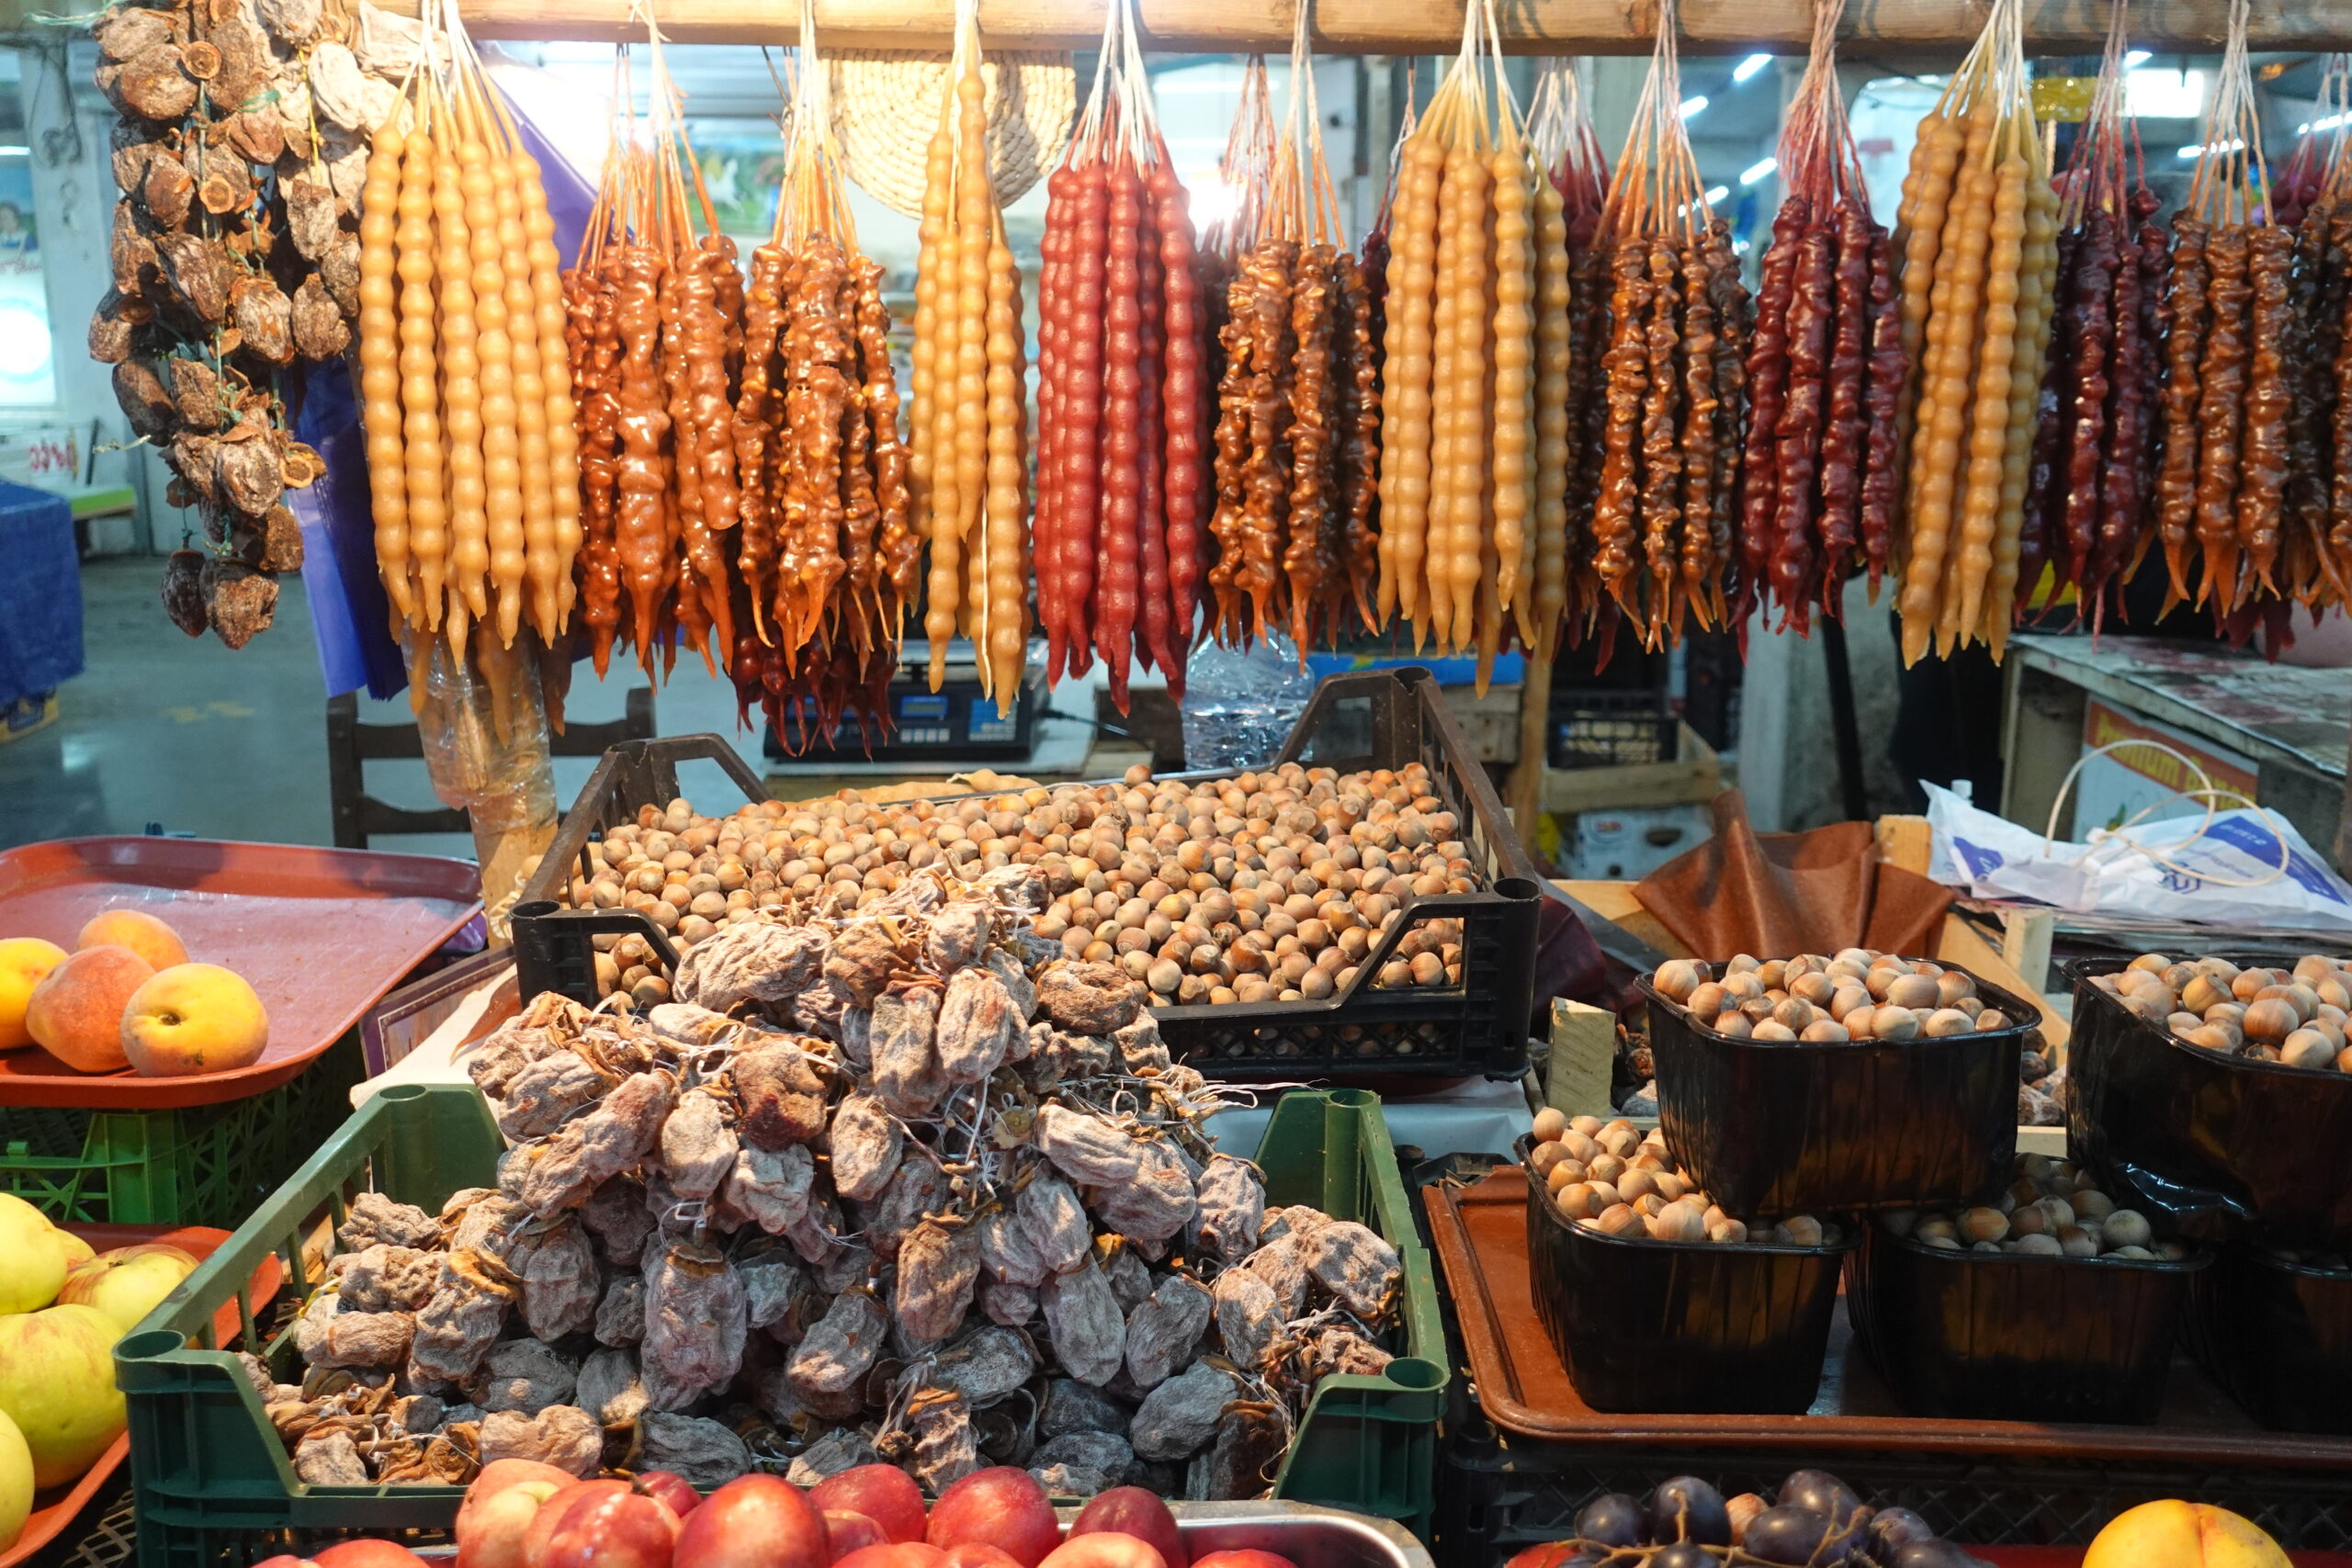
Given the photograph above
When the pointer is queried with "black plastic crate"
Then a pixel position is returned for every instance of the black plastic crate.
(1654, 1325)
(1380, 719)
(2010, 1338)
(1773, 1128)
(2213, 1147)
(1612, 729)
(2278, 1334)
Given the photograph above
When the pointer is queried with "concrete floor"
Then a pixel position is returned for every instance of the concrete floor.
(181, 733)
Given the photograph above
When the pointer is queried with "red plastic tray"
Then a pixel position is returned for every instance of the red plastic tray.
(320, 935)
(55, 1509)
(1480, 1236)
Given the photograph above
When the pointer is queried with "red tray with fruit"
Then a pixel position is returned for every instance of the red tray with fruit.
(55, 1507)
(319, 935)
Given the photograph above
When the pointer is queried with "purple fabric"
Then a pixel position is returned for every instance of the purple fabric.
(349, 613)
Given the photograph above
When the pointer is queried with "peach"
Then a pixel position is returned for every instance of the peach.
(138, 930)
(1106, 1551)
(883, 1493)
(23, 961)
(76, 1011)
(193, 1018)
(898, 1554)
(757, 1521)
(975, 1554)
(366, 1554)
(1000, 1506)
(1132, 1510)
(846, 1532)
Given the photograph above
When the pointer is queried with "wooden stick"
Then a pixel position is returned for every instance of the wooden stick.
(1406, 26)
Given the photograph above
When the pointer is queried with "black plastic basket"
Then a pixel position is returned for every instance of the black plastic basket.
(1380, 718)
(1773, 1128)
(2279, 1336)
(1667, 1327)
(2211, 1145)
(2007, 1337)
(1612, 729)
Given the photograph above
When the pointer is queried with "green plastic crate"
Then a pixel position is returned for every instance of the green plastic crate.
(210, 1165)
(215, 1486)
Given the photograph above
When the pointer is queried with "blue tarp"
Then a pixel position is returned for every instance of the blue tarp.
(40, 594)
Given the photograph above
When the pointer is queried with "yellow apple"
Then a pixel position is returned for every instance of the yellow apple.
(75, 1249)
(2174, 1534)
(23, 961)
(31, 1266)
(194, 1017)
(16, 1482)
(57, 1384)
(126, 1282)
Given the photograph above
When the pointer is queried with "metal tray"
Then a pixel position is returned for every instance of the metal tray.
(1310, 1536)
(57, 1507)
(321, 934)
(1480, 1233)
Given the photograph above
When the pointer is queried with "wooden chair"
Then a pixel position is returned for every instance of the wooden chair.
(351, 745)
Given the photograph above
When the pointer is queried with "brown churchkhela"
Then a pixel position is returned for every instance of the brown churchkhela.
(1825, 371)
(827, 559)
(1298, 403)
(1673, 345)
(2092, 474)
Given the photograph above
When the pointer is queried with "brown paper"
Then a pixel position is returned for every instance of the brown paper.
(1776, 895)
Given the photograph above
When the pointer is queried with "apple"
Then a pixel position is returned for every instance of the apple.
(846, 1532)
(1131, 1510)
(601, 1524)
(754, 1521)
(671, 1488)
(974, 1554)
(16, 1482)
(898, 1554)
(1243, 1557)
(999, 1506)
(74, 1248)
(57, 1384)
(1105, 1549)
(499, 1508)
(127, 1282)
(883, 1493)
(31, 1265)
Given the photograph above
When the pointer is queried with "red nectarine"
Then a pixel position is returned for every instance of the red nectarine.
(1131, 1510)
(898, 1554)
(754, 1521)
(1105, 1549)
(602, 1524)
(999, 1506)
(883, 1493)
(1243, 1557)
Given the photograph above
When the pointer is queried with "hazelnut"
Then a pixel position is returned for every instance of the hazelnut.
(1677, 979)
(2127, 1227)
(1946, 1021)
(1550, 1124)
(1894, 1022)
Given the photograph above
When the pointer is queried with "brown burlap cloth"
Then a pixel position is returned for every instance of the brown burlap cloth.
(1776, 895)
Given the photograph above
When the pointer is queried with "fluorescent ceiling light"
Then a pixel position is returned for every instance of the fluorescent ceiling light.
(2229, 146)
(2136, 57)
(1754, 172)
(1691, 106)
(1716, 193)
(1750, 66)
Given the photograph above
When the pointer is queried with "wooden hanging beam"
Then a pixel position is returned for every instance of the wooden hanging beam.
(1425, 27)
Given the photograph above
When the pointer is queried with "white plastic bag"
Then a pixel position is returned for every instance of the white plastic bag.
(2239, 867)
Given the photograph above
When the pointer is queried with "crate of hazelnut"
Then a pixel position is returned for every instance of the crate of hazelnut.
(1840, 1082)
(2049, 1302)
(1656, 1296)
(2215, 1093)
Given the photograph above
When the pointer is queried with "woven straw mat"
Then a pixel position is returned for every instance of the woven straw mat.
(887, 105)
